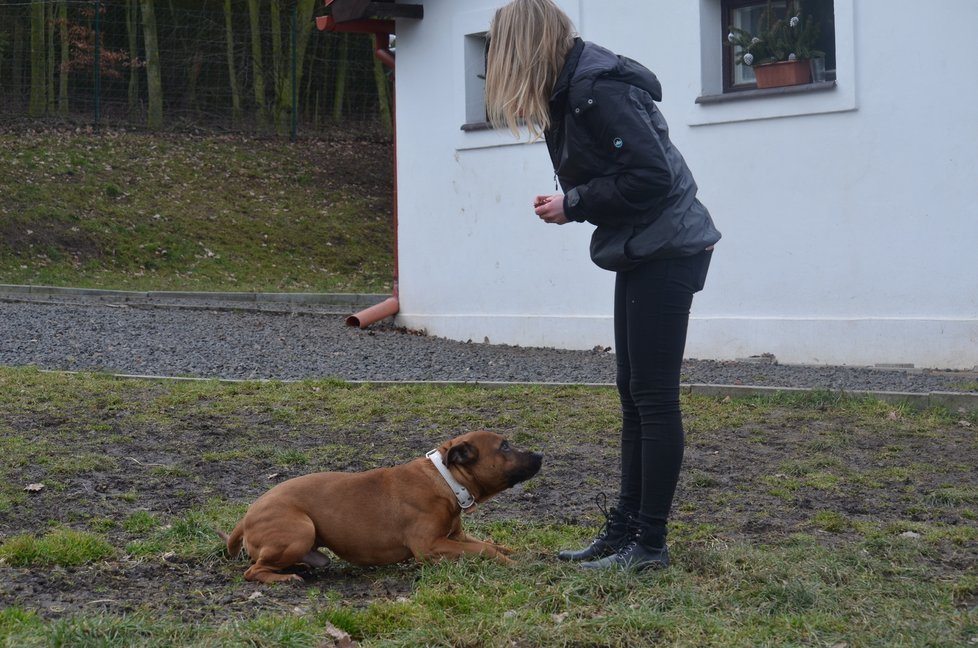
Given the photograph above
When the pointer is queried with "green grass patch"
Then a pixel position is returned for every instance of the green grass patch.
(195, 213)
(62, 547)
(953, 496)
(830, 521)
(190, 536)
(140, 522)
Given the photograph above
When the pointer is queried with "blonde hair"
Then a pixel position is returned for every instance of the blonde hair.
(528, 42)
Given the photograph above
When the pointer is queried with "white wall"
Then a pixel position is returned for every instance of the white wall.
(849, 234)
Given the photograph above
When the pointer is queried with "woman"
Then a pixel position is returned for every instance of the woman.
(618, 169)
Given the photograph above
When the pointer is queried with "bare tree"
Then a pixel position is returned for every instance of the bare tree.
(65, 57)
(38, 97)
(154, 82)
(257, 66)
(232, 73)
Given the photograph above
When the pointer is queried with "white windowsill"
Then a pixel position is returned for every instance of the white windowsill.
(747, 95)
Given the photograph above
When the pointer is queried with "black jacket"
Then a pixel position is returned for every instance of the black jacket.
(613, 158)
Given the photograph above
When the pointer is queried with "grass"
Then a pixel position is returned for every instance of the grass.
(145, 212)
(791, 593)
(831, 577)
(63, 547)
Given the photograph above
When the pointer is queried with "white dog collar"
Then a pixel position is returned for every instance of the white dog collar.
(462, 494)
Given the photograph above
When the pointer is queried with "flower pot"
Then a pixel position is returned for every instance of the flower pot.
(783, 73)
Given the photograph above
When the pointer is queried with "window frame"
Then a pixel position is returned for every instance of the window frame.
(476, 53)
(727, 9)
(475, 134)
(728, 75)
(713, 106)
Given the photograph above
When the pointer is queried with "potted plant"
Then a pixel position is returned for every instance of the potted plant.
(780, 52)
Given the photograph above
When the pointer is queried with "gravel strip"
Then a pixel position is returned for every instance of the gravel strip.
(267, 340)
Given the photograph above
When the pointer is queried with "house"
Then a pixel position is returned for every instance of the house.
(848, 204)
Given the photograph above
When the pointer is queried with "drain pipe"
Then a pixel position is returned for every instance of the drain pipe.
(390, 306)
(381, 30)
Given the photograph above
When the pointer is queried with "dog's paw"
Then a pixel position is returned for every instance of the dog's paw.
(269, 576)
(503, 549)
(504, 560)
(287, 579)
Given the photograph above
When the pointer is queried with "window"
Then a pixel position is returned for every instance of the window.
(748, 15)
(475, 82)
(468, 56)
(719, 102)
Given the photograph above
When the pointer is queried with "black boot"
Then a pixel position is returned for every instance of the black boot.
(645, 551)
(617, 532)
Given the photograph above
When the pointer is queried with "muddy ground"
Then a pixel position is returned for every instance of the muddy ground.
(731, 483)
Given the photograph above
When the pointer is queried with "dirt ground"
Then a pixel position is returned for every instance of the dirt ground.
(730, 483)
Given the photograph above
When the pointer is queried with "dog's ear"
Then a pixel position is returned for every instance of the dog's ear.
(462, 454)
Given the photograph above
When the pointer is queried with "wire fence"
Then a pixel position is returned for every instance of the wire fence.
(239, 65)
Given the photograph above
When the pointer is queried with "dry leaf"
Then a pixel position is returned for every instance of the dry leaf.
(340, 638)
(34, 488)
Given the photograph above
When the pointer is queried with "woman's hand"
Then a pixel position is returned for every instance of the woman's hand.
(550, 209)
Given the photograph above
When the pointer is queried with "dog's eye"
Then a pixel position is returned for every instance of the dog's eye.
(504, 446)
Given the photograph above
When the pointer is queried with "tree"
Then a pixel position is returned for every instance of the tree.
(17, 60)
(154, 82)
(339, 82)
(132, 35)
(4, 46)
(284, 78)
(65, 59)
(257, 67)
(383, 95)
(50, 59)
(275, 13)
(232, 73)
(38, 96)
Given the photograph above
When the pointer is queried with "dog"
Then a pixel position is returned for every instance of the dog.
(381, 516)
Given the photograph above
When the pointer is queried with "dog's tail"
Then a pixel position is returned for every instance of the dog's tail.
(232, 541)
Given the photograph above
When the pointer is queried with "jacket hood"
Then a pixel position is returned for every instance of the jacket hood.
(598, 62)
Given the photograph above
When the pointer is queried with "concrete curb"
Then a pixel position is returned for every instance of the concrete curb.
(326, 299)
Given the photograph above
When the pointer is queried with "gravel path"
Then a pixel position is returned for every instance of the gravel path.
(248, 340)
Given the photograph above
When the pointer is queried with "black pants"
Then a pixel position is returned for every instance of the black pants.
(652, 305)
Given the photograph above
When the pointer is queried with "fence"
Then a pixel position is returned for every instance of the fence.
(243, 65)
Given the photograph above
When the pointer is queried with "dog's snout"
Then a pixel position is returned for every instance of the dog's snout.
(530, 466)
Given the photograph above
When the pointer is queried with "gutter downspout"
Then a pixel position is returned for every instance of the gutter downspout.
(390, 306)
(381, 30)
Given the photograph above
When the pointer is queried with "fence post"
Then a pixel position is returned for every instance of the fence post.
(295, 82)
(98, 63)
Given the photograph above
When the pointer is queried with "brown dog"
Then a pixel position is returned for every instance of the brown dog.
(384, 515)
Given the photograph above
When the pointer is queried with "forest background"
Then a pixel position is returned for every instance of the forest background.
(217, 65)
